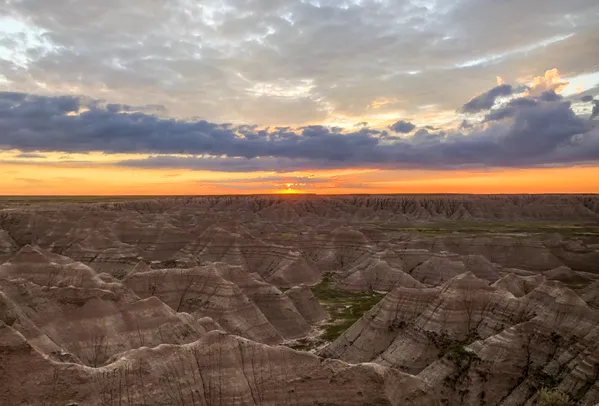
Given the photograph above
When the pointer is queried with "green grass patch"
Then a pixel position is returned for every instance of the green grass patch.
(554, 397)
(301, 345)
(344, 307)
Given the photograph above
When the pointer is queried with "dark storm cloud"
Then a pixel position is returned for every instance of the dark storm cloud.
(41, 123)
(511, 108)
(526, 132)
(595, 112)
(465, 124)
(516, 105)
(402, 127)
(550, 95)
(486, 100)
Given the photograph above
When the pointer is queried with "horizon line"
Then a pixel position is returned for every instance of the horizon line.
(33, 196)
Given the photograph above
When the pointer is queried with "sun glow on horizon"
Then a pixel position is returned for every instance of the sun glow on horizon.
(290, 190)
(38, 179)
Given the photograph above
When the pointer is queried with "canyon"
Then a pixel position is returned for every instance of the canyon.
(300, 300)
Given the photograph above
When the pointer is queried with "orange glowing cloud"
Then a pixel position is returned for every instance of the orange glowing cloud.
(380, 102)
(551, 80)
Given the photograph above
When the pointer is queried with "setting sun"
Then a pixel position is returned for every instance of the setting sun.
(290, 192)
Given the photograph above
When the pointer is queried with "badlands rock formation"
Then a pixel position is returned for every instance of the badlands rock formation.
(238, 301)
(65, 310)
(305, 302)
(590, 294)
(486, 300)
(481, 343)
(217, 369)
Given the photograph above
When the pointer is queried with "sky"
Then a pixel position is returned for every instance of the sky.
(180, 97)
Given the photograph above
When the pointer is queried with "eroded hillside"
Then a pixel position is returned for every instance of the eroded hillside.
(264, 300)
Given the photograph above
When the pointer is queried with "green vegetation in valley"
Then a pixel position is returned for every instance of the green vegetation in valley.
(577, 286)
(303, 345)
(344, 307)
(554, 397)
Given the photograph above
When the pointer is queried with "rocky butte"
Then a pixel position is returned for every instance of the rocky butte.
(300, 300)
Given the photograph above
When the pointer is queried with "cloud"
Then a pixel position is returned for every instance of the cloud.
(403, 127)
(465, 124)
(546, 87)
(515, 105)
(124, 108)
(595, 112)
(550, 95)
(290, 62)
(487, 100)
(551, 81)
(528, 131)
(234, 164)
(29, 155)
